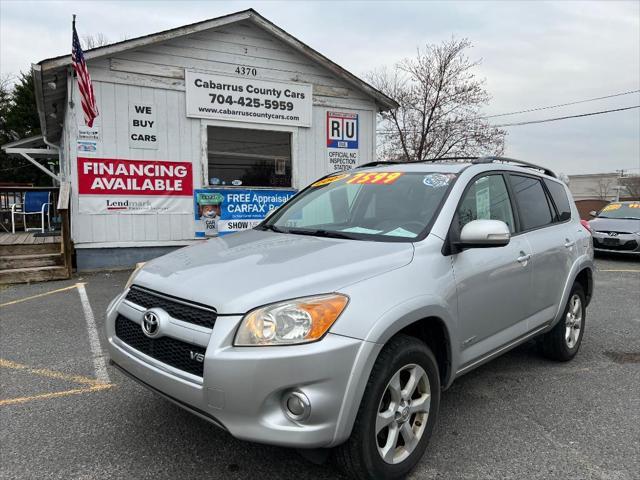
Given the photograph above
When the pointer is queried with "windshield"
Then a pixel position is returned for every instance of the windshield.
(387, 206)
(627, 210)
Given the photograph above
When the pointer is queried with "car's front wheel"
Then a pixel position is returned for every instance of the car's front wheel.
(397, 413)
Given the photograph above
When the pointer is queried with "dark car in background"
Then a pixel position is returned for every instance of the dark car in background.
(616, 228)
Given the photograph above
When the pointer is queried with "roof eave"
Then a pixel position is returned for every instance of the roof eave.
(383, 101)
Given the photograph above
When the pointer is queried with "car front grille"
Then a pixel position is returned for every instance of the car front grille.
(173, 352)
(623, 247)
(198, 315)
(609, 232)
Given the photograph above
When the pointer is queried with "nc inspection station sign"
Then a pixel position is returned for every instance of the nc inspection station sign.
(241, 99)
(342, 141)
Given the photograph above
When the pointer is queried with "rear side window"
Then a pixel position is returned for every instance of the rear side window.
(559, 196)
(533, 205)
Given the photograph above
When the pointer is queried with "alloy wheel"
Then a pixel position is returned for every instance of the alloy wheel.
(403, 413)
(573, 321)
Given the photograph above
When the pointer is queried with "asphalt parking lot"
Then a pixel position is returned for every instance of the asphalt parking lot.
(65, 414)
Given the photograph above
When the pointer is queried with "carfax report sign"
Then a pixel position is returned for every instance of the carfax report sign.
(240, 99)
(219, 211)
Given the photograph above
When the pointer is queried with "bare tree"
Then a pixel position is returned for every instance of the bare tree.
(631, 184)
(96, 40)
(440, 100)
(603, 189)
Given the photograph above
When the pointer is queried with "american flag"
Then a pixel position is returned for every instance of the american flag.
(89, 106)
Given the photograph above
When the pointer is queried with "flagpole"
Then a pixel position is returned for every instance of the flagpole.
(73, 28)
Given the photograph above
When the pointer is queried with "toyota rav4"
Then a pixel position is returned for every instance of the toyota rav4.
(337, 322)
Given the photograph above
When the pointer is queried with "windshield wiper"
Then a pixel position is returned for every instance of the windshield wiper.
(321, 233)
(272, 228)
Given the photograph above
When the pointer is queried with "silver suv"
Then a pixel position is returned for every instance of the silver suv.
(338, 321)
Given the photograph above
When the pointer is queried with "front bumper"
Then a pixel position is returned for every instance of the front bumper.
(242, 388)
(621, 243)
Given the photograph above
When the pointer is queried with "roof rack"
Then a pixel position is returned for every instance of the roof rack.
(491, 159)
(474, 160)
(378, 163)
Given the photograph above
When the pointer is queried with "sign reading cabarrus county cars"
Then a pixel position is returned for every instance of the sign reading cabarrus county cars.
(240, 99)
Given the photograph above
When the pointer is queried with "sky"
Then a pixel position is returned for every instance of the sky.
(533, 54)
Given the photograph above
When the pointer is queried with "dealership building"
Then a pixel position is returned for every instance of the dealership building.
(201, 131)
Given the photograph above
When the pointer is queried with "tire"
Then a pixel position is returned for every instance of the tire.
(563, 341)
(403, 359)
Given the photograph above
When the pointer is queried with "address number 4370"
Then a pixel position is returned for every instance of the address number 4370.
(246, 71)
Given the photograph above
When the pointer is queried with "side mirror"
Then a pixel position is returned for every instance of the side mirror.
(593, 213)
(484, 234)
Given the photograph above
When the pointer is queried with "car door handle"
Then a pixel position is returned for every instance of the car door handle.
(568, 243)
(523, 259)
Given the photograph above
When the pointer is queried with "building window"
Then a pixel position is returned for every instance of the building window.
(251, 158)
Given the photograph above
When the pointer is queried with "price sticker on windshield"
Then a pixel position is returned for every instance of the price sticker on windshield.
(328, 180)
(612, 206)
(374, 178)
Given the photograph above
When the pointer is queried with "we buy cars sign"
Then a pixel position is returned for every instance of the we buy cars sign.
(109, 185)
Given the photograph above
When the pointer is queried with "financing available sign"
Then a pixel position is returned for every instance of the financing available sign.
(219, 211)
(241, 99)
(109, 185)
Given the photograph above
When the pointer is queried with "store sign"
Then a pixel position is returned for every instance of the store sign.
(88, 139)
(143, 128)
(240, 99)
(342, 130)
(342, 141)
(220, 211)
(108, 185)
(89, 133)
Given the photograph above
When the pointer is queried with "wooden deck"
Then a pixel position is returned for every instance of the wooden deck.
(26, 238)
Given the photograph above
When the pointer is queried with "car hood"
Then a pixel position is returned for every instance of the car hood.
(615, 225)
(238, 272)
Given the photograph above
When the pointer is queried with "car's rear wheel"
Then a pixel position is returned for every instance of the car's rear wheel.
(563, 341)
(397, 413)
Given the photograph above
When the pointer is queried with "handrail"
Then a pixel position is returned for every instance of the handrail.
(64, 197)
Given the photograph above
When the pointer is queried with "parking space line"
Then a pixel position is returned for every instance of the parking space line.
(633, 270)
(46, 396)
(45, 372)
(92, 384)
(20, 300)
(99, 364)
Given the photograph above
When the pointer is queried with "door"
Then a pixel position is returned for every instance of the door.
(545, 221)
(492, 283)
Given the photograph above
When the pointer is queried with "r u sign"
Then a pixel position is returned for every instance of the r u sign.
(342, 130)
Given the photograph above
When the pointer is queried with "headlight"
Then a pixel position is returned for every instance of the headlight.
(133, 274)
(302, 320)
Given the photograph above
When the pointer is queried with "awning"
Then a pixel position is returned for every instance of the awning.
(33, 148)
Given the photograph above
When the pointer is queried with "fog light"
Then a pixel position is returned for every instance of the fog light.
(297, 406)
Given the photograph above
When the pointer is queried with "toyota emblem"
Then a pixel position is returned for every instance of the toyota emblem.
(150, 323)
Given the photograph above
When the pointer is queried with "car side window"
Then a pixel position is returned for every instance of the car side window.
(486, 199)
(559, 196)
(532, 201)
